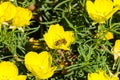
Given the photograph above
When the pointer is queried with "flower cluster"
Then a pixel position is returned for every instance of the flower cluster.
(16, 16)
(40, 64)
(100, 12)
(78, 52)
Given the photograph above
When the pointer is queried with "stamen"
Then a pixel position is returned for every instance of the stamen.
(61, 41)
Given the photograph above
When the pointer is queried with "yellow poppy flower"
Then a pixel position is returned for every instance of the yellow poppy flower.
(7, 11)
(57, 38)
(39, 64)
(101, 75)
(22, 17)
(9, 71)
(100, 11)
(116, 49)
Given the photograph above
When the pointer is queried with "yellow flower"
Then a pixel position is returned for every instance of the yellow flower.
(39, 64)
(22, 17)
(109, 36)
(116, 49)
(98, 75)
(7, 11)
(105, 35)
(101, 75)
(9, 71)
(57, 38)
(100, 11)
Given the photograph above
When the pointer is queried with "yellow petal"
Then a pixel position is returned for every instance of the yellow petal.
(93, 13)
(45, 60)
(22, 18)
(21, 77)
(50, 40)
(31, 59)
(111, 12)
(100, 11)
(117, 3)
(69, 37)
(98, 75)
(56, 29)
(8, 10)
(90, 7)
(103, 7)
(47, 74)
(8, 69)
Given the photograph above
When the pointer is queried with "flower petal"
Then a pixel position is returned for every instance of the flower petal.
(45, 60)
(22, 18)
(8, 69)
(7, 11)
(31, 59)
(21, 77)
(48, 74)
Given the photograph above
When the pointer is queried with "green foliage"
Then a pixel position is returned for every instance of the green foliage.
(90, 53)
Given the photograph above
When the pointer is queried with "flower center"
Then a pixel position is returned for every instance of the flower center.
(61, 41)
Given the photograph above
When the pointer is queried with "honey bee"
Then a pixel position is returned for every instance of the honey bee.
(61, 41)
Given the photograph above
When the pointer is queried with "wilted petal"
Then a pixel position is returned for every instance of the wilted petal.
(98, 75)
